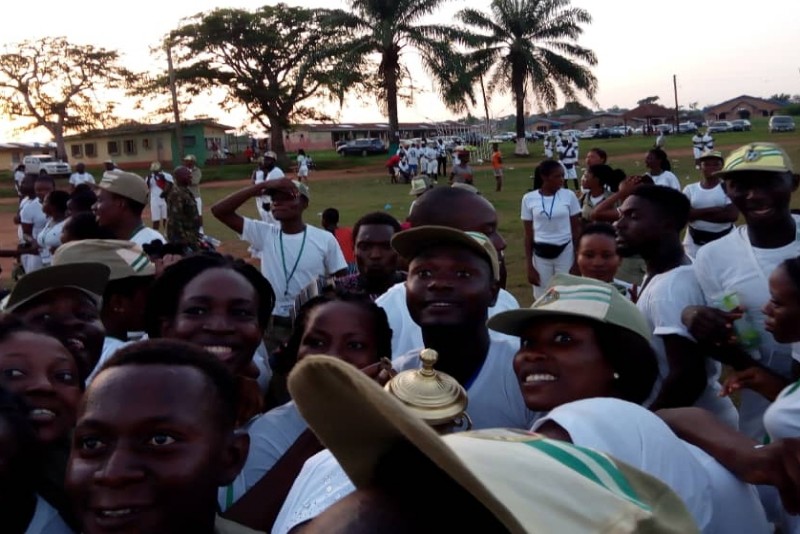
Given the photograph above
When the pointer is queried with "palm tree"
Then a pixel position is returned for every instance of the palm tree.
(530, 45)
(385, 30)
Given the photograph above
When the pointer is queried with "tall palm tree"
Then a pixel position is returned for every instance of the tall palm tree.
(385, 30)
(530, 45)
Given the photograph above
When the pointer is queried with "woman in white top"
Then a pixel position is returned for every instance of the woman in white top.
(49, 239)
(660, 169)
(302, 166)
(712, 214)
(551, 221)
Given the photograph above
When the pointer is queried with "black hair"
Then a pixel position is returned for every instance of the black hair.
(377, 218)
(792, 266)
(632, 358)
(301, 152)
(45, 178)
(600, 152)
(83, 198)
(183, 354)
(545, 168)
(380, 327)
(671, 203)
(436, 207)
(662, 158)
(598, 228)
(59, 200)
(126, 287)
(165, 293)
(330, 215)
(25, 464)
(608, 177)
(83, 225)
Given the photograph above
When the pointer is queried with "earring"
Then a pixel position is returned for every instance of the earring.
(616, 376)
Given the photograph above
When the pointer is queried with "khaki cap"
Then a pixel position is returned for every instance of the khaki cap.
(124, 258)
(125, 184)
(759, 156)
(89, 278)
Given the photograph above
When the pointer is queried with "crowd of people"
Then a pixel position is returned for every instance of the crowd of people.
(149, 385)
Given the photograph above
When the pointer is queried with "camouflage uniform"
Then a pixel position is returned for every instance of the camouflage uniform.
(183, 225)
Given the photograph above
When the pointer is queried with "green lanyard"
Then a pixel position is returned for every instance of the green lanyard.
(286, 274)
(136, 231)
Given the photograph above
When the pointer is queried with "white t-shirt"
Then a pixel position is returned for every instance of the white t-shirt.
(630, 433)
(46, 520)
(78, 178)
(284, 266)
(495, 399)
(407, 335)
(731, 265)
(49, 237)
(156, 190)
(661, 302)
(782, 418)
(550, 215)
(32, 213)
(18, 177)
(701, 198)
(321, 483)
(666, 178)
(146, 235)
(110, 346)
(271, 435)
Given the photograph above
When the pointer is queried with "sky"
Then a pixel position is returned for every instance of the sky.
(717, 49)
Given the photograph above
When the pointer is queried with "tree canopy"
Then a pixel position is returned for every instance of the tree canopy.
(529, 47)
(59, 85)
(273, 61)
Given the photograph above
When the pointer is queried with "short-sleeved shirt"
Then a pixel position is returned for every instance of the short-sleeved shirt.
(78, 178)
(701, 198)
(183, 225)
(32, 213)
(292, 261)
(462, 174)
(145, 236)
(497, 160)
(550, 215)
(667, 179)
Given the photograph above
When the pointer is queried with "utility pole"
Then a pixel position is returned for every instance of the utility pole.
(173, 91)
(675, 88)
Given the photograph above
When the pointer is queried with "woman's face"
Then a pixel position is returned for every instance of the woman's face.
(559, 361)
(341, 329)
(652, 162)
(218, 310)
(593, 158)
(782, 310)
(555, 180)
(38, 368)
(598, 257)
(589, 181)
(47, 207)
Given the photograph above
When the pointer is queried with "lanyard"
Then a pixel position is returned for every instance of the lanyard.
(552, 203)
(136, 231)
(286, 274)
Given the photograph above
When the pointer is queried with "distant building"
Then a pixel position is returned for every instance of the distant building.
(599, 120)
(136, 145)
(324, 136)
(544, 125)
(11, 154)
(741, 107)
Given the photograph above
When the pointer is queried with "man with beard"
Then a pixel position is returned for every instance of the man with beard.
(650, 224)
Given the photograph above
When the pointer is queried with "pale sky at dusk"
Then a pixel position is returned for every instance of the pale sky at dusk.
(717, 49)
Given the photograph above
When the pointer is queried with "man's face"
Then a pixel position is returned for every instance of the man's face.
(183, 176)
(153, 465)
(287, 205)
(107, 209)
(763, 198)
(709, 166)
(374, 253)
(475, 214)
(108, 166)
(80, 167)
(639, 226)
(449, 286)
(269, 164)
(42, 188)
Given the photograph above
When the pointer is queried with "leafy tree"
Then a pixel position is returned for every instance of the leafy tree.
(647, 100)
(55, 85)
(575, 108)
(274, 61)
(390, 29)
(781, 98)
(530, 47)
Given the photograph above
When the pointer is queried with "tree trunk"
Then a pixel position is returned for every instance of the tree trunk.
(276, 143)
(518, 87)
(58, 137)
(390, 60)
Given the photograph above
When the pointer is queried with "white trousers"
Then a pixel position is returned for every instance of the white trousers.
(547, 268)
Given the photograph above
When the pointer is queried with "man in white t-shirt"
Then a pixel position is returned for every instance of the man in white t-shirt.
(293, 254)
(121, 198)
(759, 180)
(651, 220)
(33, 220)
(268, 170)
(157, 182)
(453, 279)
(110, 166)
(455, 208)
(698, 147)
(80, 176)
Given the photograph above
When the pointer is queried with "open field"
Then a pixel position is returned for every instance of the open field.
(357, 185)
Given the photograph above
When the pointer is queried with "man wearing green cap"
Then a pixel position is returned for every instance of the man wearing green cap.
(759, 180)
(121, 198)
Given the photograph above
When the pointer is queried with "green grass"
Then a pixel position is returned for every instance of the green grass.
(355, 196)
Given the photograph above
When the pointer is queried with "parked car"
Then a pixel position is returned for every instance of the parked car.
(741, 125)
(781, 123)
(362, 147)
(44, 164)
(687, 127)
(666, 129)
(588, 133)
(720, 127)
(616, 131)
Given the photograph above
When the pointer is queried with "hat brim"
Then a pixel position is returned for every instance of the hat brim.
(418, 191)
(514, 322)
(750, 168)
(328, 392)
(89, 278)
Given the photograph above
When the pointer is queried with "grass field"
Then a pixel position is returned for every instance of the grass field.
(367, 190)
